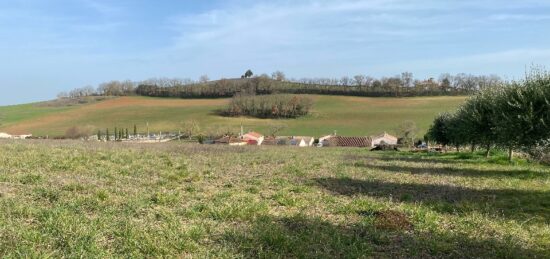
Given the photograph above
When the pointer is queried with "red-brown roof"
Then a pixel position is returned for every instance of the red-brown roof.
(270, 141)
(228, 140)
(253, 135)
(340, 141)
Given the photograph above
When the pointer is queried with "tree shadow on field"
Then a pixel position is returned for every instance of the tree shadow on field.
(457, 171)
(456, 159)
(402, 158)
(303, 237)
(509, 203)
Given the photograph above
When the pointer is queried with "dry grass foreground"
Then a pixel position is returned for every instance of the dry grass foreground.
(75, 199)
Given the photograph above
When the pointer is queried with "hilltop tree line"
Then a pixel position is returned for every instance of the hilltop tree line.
(402, 85)
(514, 116)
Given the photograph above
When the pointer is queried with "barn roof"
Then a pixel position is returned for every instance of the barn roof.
(228, 140)
(340, 141)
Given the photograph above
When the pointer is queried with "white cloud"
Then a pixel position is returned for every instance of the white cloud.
(331, 38)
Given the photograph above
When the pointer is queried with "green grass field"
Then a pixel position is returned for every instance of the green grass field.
(90, 200)
(347, 115)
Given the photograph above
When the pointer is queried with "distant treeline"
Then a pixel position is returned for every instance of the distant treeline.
(404, 85)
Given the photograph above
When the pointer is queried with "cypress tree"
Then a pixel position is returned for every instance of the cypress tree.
(99, 135)
(127, 135)
(135, 130)
(108, 136)
(116, 134)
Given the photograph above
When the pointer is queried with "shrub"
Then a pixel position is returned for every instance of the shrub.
(78, 132)
(269, 106)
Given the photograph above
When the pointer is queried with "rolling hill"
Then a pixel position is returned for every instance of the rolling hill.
(346, 115)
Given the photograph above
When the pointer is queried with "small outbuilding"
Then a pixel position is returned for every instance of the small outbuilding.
(384, 139)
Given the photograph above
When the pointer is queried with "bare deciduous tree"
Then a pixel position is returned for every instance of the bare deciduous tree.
(276, 128)
(408, 130)
(278, 75)
(204, 79)
(359, 80)
(407, 79)
(345, 80)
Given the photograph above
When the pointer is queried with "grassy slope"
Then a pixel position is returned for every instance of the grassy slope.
(10, 115)
(347, 115)
(72, 199)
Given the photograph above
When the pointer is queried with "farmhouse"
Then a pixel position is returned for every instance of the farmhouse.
(384, 139)
(253, 138)
(5, 135)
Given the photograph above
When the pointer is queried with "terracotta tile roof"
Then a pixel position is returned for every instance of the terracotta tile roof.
(228, 140)
(339, 141)
(255, 135)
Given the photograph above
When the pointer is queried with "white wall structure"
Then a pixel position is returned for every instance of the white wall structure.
(384, 138)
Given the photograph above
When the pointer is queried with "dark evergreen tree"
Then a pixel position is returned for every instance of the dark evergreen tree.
(439, 130)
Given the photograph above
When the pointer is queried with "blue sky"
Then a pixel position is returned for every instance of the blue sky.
(56, 45)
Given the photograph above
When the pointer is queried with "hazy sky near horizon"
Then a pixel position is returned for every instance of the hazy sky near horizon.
(51, 46)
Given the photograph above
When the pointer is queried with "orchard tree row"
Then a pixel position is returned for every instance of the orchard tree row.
(514, 116)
